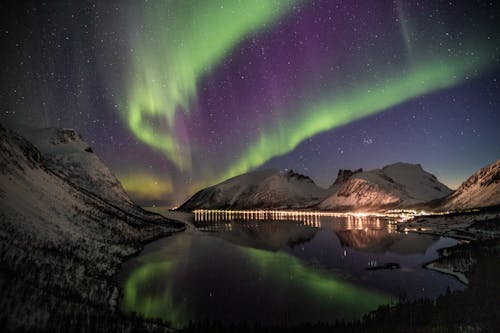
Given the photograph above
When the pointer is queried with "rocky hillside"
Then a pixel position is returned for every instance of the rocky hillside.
(259, 189)
(395, 185)
(482, 189)
(62, 236)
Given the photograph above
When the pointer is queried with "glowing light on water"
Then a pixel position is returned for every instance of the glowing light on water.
(315, 219)
(220, 214)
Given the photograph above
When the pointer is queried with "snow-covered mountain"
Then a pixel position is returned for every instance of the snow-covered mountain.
(259, 189)
(61, 240)
(59, 180)
(482, 189)
(394, 186)
(65, 153)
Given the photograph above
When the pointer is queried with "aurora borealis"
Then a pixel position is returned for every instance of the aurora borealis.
(187, 38)
(177, 95)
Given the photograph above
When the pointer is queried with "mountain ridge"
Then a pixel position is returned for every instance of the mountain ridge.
(259, 189)
(481, 189)
(395, 186)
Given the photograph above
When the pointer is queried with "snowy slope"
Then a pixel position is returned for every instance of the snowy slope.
(65, 152)
(259, 189)
(396, 185)
(60, 244)
(482, 189)
(48, 206)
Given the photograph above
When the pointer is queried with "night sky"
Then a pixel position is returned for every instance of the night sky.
(177, 95)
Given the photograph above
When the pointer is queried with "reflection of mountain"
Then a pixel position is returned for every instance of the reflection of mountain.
(369, 240)
(380, 241)
(267, 236)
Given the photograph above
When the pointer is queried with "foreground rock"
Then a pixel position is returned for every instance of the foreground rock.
(65, 227)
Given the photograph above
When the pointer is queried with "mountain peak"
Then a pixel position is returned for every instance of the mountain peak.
(344, 174)
(403, 165)
(66, 153)
(290, 174)
(395, 185)
(64, 135)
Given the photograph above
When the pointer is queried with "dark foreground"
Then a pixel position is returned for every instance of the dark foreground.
(77, 301)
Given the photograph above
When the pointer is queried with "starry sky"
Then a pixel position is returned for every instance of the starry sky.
(178, 95)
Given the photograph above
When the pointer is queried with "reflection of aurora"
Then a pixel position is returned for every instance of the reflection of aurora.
(149, 290)
(153, 305)
(352, 301)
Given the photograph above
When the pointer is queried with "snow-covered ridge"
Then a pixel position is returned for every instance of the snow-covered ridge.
(343, 175)
(67, 154)
(259, 189)
(396, 185)
(482, 189)
(37, 197)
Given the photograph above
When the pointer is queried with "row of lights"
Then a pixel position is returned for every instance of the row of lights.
(354, 220)
(283, 213)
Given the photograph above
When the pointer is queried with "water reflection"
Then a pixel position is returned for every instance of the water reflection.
(214, 279)
(370, 233)
(281, 270)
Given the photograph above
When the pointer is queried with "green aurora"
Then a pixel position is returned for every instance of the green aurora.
(339, 109)
(186, 39)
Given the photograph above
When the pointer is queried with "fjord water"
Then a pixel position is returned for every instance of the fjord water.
(281, 272)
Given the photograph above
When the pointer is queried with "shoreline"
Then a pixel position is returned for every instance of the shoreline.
(458, 275)
(465, 228)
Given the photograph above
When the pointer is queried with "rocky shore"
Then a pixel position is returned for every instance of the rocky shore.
(472, 229)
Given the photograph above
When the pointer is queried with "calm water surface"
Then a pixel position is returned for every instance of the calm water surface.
(286, 272)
